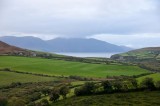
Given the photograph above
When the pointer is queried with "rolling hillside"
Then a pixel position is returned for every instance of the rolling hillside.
(144, 53)
(148, 58)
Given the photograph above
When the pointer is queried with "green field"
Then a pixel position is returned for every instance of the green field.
(7, 78)
(156, 77)
(66, 68)
(117, 99)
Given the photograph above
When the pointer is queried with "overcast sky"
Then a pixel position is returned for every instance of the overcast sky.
(134, 23)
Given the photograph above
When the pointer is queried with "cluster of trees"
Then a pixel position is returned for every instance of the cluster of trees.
(129, 85)
(54, 94)
(57, 92)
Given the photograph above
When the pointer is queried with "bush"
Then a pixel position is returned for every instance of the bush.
(107, 86)
(64, 90)
(54, 95)
(35, 96)
(45, 91)
(86, 89)
(117, 85)
(134, 83)
(148, 83)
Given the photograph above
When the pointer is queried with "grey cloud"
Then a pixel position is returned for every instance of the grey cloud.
(78, 18)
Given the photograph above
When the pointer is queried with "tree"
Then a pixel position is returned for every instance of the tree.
(107, 86)
(86, 89)
(89, 87)
(117, 85)
(148, 83)
(64, 90)
(54, 95)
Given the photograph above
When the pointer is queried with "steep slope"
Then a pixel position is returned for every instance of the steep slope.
(5, 48)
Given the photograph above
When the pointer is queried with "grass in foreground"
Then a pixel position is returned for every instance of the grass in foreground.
(66, 68)
(121, 99)
(7, 78)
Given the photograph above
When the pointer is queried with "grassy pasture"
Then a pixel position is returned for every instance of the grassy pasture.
(7, 78)
(66, 68)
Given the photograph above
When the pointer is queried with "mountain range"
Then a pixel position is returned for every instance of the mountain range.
(63, 44)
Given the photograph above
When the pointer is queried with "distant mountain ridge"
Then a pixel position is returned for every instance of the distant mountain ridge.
(63, 44)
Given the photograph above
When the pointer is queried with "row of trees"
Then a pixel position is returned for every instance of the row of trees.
(117, 86)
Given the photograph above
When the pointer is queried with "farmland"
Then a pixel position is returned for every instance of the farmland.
(37, 74)
(7, 78)
(66, 68)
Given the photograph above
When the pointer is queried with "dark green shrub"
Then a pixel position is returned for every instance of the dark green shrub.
(35, 96)
(54, 95)
(134, 83)
(117, 85)
(107, 86)
(45, 91)
(148, 83)
(64, 90)
(86, 89)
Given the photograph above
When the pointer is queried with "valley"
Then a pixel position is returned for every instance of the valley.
(33, 80)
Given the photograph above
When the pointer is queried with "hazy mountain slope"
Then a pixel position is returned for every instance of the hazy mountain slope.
(27, 42)
(83, 45)
(64, 45)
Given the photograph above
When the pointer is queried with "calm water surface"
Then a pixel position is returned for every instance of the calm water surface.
(105, 55)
